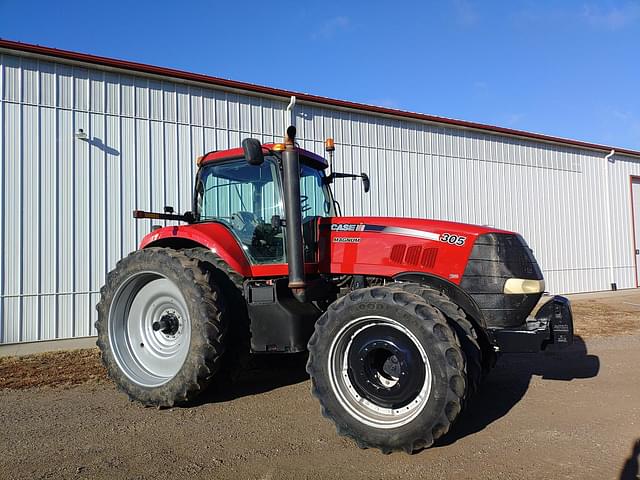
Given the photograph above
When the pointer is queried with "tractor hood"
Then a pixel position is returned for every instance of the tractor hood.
(495, 267)
(391, 245)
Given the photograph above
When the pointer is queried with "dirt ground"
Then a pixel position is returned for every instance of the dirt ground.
(570, 413)
(606, 314)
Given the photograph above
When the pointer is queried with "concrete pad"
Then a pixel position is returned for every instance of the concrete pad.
(28, 348)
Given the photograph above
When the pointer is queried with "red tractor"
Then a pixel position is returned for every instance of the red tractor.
(401, 317)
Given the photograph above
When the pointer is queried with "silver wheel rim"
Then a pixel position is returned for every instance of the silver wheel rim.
(149, 357)
(362, 409)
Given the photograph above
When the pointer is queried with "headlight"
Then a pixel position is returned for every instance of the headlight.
(521, 286)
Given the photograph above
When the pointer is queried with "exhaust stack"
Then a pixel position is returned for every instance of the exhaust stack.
(293, 215)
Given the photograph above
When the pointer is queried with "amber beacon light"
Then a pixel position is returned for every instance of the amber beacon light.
(329, 145)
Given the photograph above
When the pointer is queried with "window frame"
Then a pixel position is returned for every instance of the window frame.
(278, 181)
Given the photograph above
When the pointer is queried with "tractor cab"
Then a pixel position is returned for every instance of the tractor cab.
(248, 200)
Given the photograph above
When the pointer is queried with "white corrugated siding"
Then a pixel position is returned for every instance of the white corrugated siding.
(66, 204)
(554, 195)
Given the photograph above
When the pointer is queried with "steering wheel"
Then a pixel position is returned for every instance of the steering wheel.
(244, 222)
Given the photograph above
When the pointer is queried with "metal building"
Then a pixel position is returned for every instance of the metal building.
(66, 195)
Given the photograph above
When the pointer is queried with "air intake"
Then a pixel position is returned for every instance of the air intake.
(414, 255)
(429, 257)
(397, 253)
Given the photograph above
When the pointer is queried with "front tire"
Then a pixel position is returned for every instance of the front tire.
(160, 327)
(387, 369)
(459, 323)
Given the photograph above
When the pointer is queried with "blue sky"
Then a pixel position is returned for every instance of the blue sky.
(569, 68)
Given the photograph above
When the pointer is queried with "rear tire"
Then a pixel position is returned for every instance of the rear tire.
(160, 327)
(387, 369)
(238, 334)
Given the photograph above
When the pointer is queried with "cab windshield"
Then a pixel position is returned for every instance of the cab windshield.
(246, 197)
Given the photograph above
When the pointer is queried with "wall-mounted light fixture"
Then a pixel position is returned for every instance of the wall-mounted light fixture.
(81, 135)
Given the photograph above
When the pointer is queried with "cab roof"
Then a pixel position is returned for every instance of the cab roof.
(268, 148)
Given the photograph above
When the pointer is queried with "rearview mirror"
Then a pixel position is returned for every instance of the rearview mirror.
(366, 183)
(252, 151)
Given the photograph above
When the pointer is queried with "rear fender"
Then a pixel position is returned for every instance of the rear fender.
(213, 236)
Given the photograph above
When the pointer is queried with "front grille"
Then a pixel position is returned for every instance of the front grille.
(496, 257)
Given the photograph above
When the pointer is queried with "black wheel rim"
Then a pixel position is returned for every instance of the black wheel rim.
(385, 366)
(366, 361)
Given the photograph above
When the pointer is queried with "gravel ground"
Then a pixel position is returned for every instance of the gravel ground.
(560, 414)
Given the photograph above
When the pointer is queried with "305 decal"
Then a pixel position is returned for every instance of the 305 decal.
(452, 239)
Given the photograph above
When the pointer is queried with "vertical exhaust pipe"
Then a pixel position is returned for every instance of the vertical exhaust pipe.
(293, 216)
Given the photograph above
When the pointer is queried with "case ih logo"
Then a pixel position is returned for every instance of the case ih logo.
(347, 227)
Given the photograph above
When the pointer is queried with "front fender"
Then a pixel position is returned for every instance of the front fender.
(453, 291)
(214, 236)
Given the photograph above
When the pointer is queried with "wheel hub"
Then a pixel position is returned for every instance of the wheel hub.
(391, 367)
(169, 323)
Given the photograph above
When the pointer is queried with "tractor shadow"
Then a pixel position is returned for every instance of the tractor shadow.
(631, 468)
(509, 380)
(507, 383)
(262, 374)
